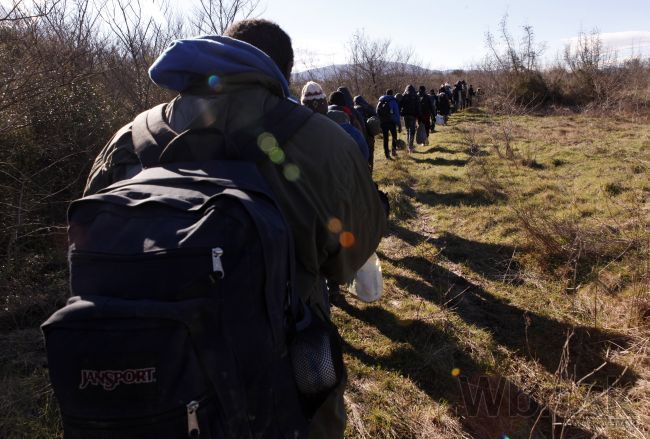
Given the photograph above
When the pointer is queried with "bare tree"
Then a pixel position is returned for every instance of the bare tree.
(507, 56)
(375, 64)
(368, 59)
(513, 68)
(138, 39)
(19, 11)
(593, 67)
(214, 16)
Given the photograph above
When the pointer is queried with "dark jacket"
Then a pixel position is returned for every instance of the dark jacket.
(434, 103)
(343, 120)
(358, 121)
(363, 107)
(443, 104)
(410, 105)
(426, 109)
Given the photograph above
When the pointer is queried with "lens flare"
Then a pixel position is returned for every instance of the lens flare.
(214, 83)
(267, 143)
(334, 225)
(277, 156)
(291, 172)
(347, 239)
(455, 372)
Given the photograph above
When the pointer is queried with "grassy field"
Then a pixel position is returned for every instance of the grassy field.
(517, 291)
(517, 300)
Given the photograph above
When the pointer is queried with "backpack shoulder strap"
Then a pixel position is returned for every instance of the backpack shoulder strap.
(150, 134)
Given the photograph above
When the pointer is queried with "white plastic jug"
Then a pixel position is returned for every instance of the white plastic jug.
(368, 284)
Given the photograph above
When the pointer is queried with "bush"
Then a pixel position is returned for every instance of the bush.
(567, 248)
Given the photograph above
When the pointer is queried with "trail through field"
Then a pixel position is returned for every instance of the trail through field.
(466, 342)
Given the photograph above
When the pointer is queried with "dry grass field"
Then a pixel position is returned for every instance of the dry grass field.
(517, 285)
(517, 291)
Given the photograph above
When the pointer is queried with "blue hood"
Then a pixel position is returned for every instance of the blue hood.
(186, 61)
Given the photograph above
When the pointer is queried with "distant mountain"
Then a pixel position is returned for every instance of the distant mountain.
(327, 72)
(319, 73)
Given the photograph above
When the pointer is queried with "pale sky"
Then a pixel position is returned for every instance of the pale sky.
(452, 35)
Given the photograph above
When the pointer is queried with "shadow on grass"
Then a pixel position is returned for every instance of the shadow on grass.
(474, 199)
(439, 161)
(487, 405)
(493, 261)
(439, 148)
(539, 338)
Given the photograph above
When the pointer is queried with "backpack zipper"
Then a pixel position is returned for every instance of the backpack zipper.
(217, 266)
(107, 425)
(193, 429)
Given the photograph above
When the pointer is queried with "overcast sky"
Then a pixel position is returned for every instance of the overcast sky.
(452, 35)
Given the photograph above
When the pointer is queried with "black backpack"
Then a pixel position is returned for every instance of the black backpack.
(183, 321)
(410, 105)
(384, 111)
(425, 104)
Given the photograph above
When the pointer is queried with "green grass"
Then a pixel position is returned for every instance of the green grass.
(468, 286)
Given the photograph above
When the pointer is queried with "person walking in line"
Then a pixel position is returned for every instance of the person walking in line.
(410, 109)
(226, 84)
(426, 109)
(389, 116)
(470, 95)
(433, 97)
(444, 107)
(367, 112)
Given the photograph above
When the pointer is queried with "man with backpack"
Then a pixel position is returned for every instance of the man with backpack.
(149, 349)
(410, 109)
(433, 97)
(388, 113)
(426, 109)
(444, 107)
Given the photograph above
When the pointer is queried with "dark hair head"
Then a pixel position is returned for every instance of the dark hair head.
(269, 38)
(432, 91)
(390, 92)
(337, 98)
(423, 89)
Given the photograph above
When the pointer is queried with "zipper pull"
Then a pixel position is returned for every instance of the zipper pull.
(193, 430)
(217, 266)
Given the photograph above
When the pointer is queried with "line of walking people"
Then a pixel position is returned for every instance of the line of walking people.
(420, 110)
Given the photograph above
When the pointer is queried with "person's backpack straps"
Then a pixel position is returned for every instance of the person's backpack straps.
(148, 146)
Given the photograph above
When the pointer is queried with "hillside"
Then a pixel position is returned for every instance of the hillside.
(328, 72)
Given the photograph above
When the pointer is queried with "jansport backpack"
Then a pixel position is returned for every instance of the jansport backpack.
(183, 320)
(384, 111)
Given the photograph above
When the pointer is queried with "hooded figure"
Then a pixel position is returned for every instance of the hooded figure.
(336, 101)
(356, 119)
(366, 111)
(363, 107)
(410, 109)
